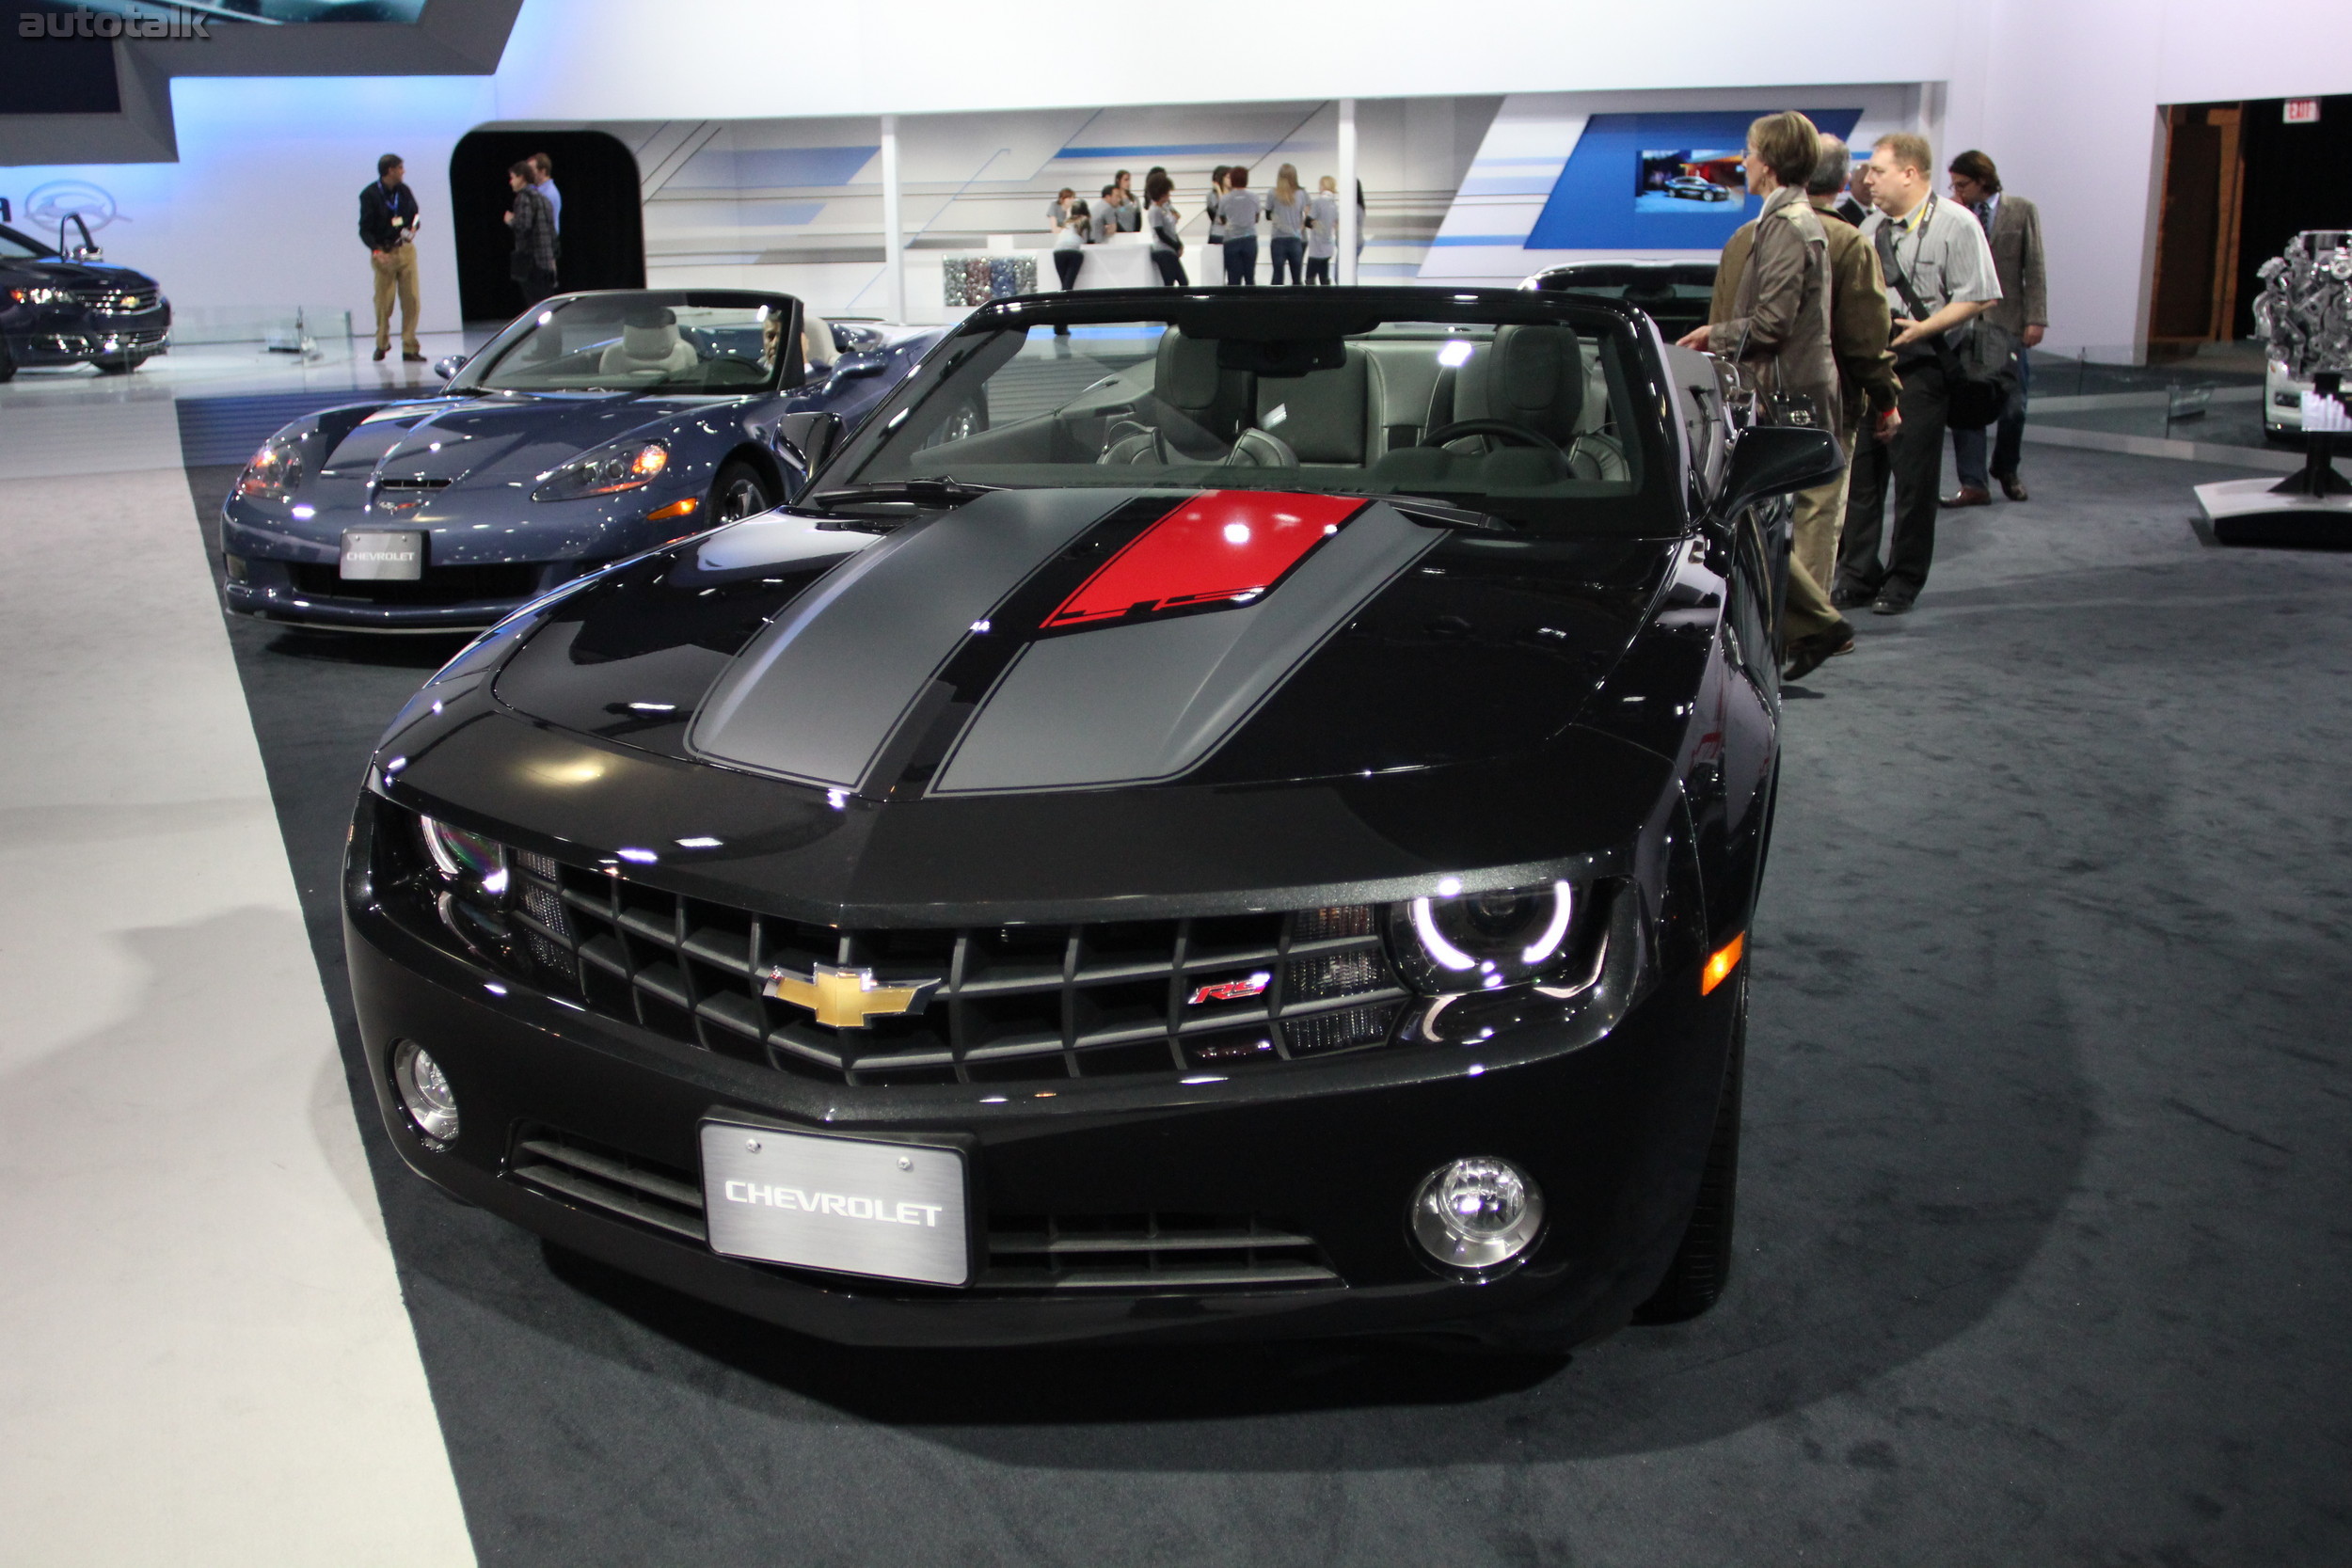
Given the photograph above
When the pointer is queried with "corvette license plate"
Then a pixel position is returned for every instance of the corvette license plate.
(887, 1209)
(383, 555)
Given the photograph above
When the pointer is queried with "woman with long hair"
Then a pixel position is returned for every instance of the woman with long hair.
(1286, 210)
(1168, 246)
(1240, 210)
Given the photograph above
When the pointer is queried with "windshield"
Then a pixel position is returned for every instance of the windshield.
(1530, 420)
(16, 247)
(673, 344)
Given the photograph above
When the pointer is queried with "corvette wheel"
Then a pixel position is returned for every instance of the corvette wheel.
(1702, 1264)
(741, 491)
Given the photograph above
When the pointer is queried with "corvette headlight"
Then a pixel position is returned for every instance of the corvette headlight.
(625, 466)
(275, 471)
(1456, 942)
(39, 296)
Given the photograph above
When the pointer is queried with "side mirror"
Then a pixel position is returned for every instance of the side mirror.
(851, 365)
(87, 250)
(448, 365)
(804, 441)
(1777, 460)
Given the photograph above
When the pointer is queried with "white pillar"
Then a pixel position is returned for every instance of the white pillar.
(1349, 221)
(894, 227)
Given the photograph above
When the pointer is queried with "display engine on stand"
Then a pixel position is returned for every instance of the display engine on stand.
(2305, 314)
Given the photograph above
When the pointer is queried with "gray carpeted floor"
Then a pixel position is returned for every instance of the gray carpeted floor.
(2044, 1240)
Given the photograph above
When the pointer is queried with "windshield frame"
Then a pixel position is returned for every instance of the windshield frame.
(39, 252)
(788, 374)
(1660, 507)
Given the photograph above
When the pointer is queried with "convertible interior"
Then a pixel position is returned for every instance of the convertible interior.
(1528, 409)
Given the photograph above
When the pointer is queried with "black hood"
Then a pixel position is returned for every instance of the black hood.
(932, 661)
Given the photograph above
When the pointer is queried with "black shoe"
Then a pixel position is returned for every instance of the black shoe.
(1808, 654)
(2013, 487)
(1849, 598)
(381, 354)
(412, 358)
(1891, 603)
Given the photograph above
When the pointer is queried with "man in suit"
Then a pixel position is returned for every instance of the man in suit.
(2012, 225)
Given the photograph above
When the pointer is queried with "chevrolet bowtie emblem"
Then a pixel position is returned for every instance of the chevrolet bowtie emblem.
(847, 998)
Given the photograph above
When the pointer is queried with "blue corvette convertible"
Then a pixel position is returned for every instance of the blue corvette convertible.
(594, 427)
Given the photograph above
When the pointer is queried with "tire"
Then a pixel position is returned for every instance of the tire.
(1702, 1264)
(7, 362)
(739, 491)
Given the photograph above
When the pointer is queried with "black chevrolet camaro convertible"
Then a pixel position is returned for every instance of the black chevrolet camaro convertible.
(1243, 818)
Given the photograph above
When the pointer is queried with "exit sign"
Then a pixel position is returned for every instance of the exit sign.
(2302, 111)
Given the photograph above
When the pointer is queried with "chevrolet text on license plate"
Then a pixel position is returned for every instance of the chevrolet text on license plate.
(888, 1210)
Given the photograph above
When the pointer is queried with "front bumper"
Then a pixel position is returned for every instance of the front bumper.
(86, 341)
(1615, 1132)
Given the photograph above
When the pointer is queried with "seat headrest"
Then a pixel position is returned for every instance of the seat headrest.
(1206, 403)
(649, 342)
(1530, 376)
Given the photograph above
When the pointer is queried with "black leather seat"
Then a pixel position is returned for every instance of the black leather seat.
(1201, 413)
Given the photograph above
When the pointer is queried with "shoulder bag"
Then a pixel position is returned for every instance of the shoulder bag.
(1981, 371)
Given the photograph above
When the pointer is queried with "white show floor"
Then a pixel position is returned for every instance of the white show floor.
(204, 1357)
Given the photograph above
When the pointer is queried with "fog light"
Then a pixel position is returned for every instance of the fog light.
(424, 1092)
(1477, 1213)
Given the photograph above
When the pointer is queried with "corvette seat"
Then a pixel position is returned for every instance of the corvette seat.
(649, 345)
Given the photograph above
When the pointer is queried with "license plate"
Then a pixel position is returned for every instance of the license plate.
(380, 556)
(888, 1211)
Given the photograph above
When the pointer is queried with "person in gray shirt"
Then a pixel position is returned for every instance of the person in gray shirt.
(1323, 229)
(1168, 246)
(1286, 210)
(1931, 251)
(1130, 210)
(1240, 209)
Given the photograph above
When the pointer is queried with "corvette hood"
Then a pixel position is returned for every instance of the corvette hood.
(1050, 641)
(489, 439)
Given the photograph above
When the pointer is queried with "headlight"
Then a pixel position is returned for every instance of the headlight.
(605, 470)
(473, 862)
(274, 472)
(39, 296)
(1458, 942)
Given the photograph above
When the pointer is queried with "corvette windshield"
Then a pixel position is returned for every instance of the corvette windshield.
(1528, 420)
(604, 342)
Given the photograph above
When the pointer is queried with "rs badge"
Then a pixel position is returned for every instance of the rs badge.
(848, 998)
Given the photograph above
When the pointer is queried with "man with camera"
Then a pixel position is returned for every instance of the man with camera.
(1939, 278)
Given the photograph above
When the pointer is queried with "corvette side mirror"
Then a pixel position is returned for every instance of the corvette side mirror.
(804, 441)
(1777, 460)
(851, 365)
(449, 365)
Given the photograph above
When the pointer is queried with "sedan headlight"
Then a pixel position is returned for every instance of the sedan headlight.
(39, 296)
(275, 471)
(625, 466)
(1458, 941)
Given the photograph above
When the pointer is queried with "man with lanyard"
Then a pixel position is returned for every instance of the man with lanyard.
(387, 226)
(1939, 276)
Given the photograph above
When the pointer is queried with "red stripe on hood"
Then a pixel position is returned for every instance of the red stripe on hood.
(1224, 547)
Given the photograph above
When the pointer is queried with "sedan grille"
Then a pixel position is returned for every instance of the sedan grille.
(111, 301)
(1131, 1253)
(1005, 1004)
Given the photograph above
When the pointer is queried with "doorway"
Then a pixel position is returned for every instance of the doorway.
(2240, 180)
(601, 229)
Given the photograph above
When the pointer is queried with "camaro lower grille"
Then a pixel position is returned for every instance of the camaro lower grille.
(1136, 1253)
(1016, 1003)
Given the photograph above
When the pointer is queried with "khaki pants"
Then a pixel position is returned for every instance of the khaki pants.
(396, 269)
(1813, 558)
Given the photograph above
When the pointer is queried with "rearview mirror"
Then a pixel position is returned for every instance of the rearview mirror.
(1771, 460)
(804, 441)
(448, 365)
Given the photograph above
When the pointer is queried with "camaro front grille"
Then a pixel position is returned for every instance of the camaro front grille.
(1014, 1003)
(1138, 1253)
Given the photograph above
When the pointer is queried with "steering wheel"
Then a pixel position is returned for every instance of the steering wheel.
(1501, 430)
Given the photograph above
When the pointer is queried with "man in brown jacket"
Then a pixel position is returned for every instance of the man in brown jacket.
(1863, 404)
(2012, 226)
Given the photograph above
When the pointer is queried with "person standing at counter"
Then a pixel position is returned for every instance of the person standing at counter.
(1130, 212)
(1058, 209)
(1168, 246)
(1323, 229)
(1286, 210)
(1216, 210)
(387, 227)
(1240, 210)
(1105, 217)
(1070, 251)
